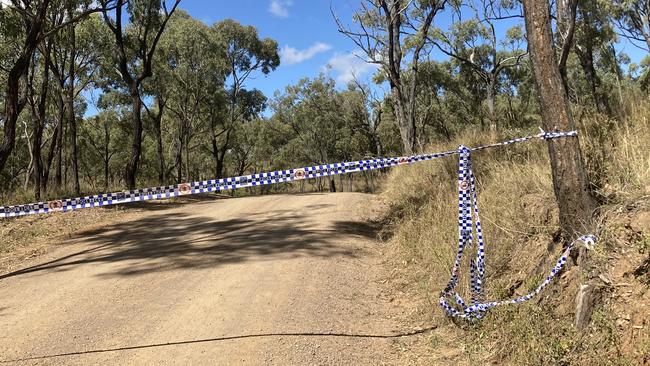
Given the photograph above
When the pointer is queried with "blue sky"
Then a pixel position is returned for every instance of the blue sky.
(305, 31)
(307, 36)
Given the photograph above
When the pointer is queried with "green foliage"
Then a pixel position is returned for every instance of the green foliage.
(259, 53)
(322, 124)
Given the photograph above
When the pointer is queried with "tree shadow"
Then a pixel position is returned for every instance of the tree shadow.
(366, 229)
(233, 337)
(167, 203)
(170, 241)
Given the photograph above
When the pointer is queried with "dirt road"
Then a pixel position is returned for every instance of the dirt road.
(260, 280)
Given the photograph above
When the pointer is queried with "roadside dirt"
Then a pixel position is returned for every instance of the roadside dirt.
(280, 280)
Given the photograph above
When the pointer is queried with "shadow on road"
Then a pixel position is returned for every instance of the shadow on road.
(172, 241)
(225, 338)
(167, 203)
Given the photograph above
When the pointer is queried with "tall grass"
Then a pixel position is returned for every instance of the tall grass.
(520, 220)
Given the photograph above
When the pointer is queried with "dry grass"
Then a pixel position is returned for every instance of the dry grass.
(520, 221)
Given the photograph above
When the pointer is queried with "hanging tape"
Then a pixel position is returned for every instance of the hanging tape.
(470, 223)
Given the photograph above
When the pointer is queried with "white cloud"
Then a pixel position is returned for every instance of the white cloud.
(290, 55)
(349, 66)
(280, 8)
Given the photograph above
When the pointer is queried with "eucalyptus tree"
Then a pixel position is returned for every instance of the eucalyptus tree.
(569, 177)
(38, 103)
(311, 109)
(444, 90)
(246, 55)
(191, 64)
(476, 44)
(98, 138)
(158, 88)
(322, 124)
(76, 57)
(29, 31)
(367, 106)
(137, 26)
(311, 112)
(390, 32)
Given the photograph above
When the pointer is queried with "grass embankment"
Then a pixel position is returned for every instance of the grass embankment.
(520, 221)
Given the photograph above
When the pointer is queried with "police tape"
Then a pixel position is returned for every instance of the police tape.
(469, 224)
(252, 180)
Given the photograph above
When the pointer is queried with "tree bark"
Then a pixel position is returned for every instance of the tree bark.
(332, 184)
(54, 145)
(159, 144)
(187, 157)
(107, 153)
(179, 159)
(39, 125)
(569, 178)
(136, 144)
(221, 157)
(566, 21)
(157, 126)
(218, 154)
(491, 95)
(72, 116)
(58, 175)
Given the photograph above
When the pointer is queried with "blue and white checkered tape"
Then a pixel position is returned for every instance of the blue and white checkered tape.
(468, 222)
(253, 180)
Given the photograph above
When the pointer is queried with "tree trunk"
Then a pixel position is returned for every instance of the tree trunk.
(491, 95)
(187, 157)
(566, 20)
(39, 125)
(159, 144)
(586, 56)
(220, 162)
(136, 144)
(220, 155)
(54, 146)
(30, 166)
(72, 117)
(179, 158)
(569, 178)
(393, 26)
(107, 154)
(332, 184)
(13, 107)
(58, 176)
(406, 124)
(219, 167)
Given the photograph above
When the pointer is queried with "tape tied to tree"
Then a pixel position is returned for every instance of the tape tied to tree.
(469, 227)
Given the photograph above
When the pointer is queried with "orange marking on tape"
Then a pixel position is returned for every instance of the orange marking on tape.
(299, 174)
(55, 205)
